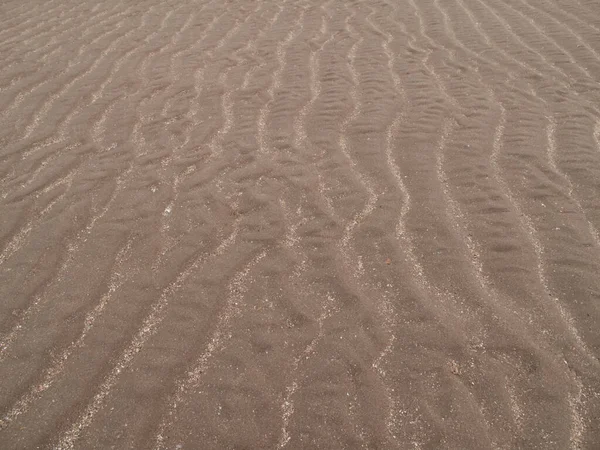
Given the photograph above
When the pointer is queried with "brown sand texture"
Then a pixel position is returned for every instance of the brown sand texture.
(300, 224)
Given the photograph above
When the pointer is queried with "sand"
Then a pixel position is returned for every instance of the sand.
(300, 224)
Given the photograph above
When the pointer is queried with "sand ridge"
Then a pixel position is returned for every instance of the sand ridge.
(300, 224)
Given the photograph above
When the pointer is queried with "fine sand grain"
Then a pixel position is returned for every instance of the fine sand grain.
(300, 224)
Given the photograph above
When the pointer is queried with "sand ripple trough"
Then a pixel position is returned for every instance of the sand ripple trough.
(300, 224)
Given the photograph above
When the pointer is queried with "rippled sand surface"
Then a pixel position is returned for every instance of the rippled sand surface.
(300, 224)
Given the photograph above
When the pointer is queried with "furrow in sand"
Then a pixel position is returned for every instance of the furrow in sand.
(425, 61)
(15, 242)
(61, 134)
(54, 18)
(72, 62)
(343, 142)
(585, 19)
(591, 13)
(142, 71)
(449, 125)
(582, 42)
(289, 400)
(216, 144)
(401, 230)
(578, 416)
(230, 33)
(261, 34)
(59, 44)
(497, 145)
(52, 8)
(330, 304)
(226, 104)
(516, 408)
(116, 66)
(532, 235)
(346, 248)
(478, 56)
(65, 360)
(458, 221)
(24, 91)
(40, 48)
(71, 28)
(72, 247)
(412, 39)
(175, 40)
(453, 208)
(33, 307)
(544, 32)
(165, 423)
(167, 163)
(551, 152)
(315, 89)
(456, 217)
(199, 74)
(157, 312)
(57, 365)
(564, 83)
(45, 163)
(136, 136)
(387, 310)
(475, 55)
(145, 98)
(291, 240)
(41, 114)
(597, 135)
(427, 290)
(281, 51)
(237, 289)
(301, 140)
(429, 132)
(287, 406)
(447, 307)
(20, 17)
(302, 285)
(454, 211)
(506, 192)
(12, 247)
(477, 25)
(174, 72)
(575, 17)
(509, 29)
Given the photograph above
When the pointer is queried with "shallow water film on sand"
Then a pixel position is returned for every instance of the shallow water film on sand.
(296, 224)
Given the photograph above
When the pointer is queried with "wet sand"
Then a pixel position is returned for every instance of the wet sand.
(300, 224)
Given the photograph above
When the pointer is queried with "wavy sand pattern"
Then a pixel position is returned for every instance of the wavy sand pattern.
(300, 224)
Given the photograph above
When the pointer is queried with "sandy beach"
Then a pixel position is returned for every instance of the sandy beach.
(300, 224)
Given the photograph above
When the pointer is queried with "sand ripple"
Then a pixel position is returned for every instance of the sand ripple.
(300, 224)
